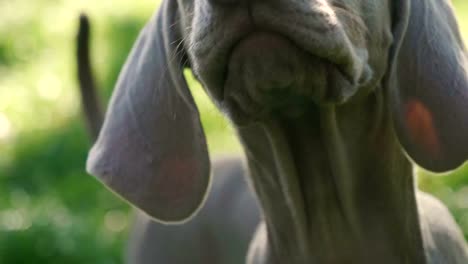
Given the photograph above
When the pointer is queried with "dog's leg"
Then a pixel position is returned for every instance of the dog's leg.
(219, 234)
(443, 239)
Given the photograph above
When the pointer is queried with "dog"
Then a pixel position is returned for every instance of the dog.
(333, 101)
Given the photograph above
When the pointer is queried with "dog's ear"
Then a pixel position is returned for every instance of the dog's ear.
(151, 149)
(428, 84)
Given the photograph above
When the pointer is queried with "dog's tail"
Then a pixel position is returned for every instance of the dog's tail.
(89, 98)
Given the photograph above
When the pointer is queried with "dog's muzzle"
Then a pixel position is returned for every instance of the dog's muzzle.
(257, 61)
(268, 74)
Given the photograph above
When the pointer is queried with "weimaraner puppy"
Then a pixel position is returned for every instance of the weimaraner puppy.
(332, 100)
(220, 233)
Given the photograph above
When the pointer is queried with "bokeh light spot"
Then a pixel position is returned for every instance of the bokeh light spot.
(115, 221)
(14, 220)
(5, 126)
(49, 87)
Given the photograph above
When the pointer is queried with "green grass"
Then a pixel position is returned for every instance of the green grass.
(50, 210)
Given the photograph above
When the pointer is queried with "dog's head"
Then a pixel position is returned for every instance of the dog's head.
(259, 59)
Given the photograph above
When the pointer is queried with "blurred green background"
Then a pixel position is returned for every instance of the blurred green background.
(50, 210)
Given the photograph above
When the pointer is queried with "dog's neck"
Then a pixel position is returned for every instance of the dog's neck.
(335, 187)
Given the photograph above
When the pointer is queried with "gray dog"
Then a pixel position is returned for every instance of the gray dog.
(330, 98)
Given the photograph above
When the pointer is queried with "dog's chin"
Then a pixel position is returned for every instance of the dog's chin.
(268, 76)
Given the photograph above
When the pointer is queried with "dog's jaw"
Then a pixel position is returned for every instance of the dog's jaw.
(267, 73)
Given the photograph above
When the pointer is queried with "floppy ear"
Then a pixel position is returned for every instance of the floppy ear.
(429, 84)
(151, 149)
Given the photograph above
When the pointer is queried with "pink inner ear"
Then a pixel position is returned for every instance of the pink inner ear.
(177, 178)
(421, 127)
